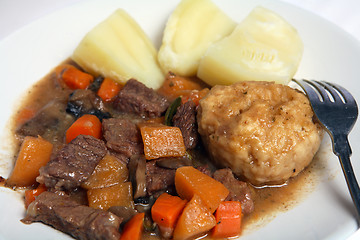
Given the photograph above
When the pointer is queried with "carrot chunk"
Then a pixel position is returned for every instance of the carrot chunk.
(76, 79)
(162, 141)
(166, 211)
(195, 220)
(117, 195)
(34, 153)
(133, 229)
(190, 181)
(31, 194)
(228, 220)
(175, 86)
(24, 115)
(108, 89)
(85, 125)
(109, 171)
(195, 96)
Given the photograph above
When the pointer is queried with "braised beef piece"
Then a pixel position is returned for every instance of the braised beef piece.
(205, 169)
(158, 178)
(73, 164)
(79, 221)
(185, 119)
(123, 137)
(85, 101)
(239, 191)
(135, 97)
(50, 123)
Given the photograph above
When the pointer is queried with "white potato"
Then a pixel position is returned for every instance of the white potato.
(119, 49)
(191, 29)
(263, 47)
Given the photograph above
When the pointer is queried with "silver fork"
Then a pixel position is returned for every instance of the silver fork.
(337, 111)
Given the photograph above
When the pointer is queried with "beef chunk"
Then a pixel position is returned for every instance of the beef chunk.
(73, 164)
(79, 221)
(158, 178)
(135, 97)
(84, 101)
(185, 119)
(122, 136)
(239, 191)
(205, 169)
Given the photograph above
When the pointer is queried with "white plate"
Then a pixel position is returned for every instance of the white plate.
(330, 54)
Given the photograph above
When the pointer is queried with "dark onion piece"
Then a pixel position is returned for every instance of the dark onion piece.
(126, 213)
(95, 85)
(137, 175)
(174, 162)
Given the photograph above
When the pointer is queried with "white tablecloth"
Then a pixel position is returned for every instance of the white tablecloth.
(15, 14)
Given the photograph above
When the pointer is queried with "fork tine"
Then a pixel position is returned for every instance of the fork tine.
(305, 85)
(344, 93)
(321, 89)
(332, 90)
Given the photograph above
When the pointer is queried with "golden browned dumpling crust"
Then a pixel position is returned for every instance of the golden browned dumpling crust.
(263, 131)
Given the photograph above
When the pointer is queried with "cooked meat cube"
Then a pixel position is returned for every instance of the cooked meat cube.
(158, 178)
(239, 191)
(50, 123)
(122, 136)
(79, 221)
(185, 119)
(85, 101)
(205, 169)
(73, 164)
(135, 97)
(263, 131)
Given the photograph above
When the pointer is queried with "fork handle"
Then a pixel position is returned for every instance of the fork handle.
(344, 156)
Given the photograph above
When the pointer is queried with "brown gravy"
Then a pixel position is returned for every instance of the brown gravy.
(269, 201)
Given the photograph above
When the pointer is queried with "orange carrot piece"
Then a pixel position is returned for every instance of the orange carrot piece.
(116, 195)
(133, 229)
(75, 78)
(31, 194)
(228, 220)
(34, 153)
(166, 211)
(24, 115)
(59, 70)
(195, 220)
(190, 181)
(109, 172)
(158, 120)
(162, 141)
(108, 89)
(175, 86)
(86, 125)
(195, 96)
